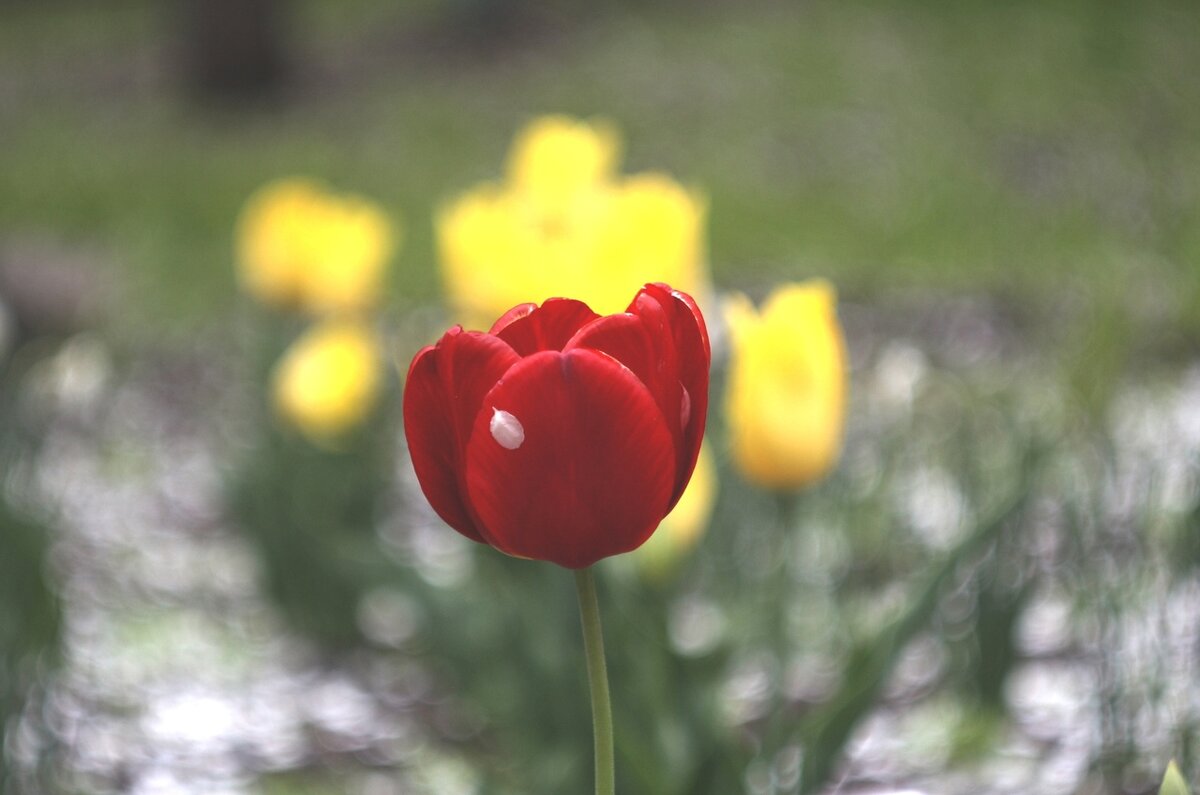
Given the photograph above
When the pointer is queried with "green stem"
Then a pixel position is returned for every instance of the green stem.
(593, 647)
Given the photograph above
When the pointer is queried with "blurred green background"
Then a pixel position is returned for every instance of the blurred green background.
(998, 591)
(1043, 152)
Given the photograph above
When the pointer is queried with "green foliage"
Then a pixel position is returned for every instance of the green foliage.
(29, 618)
(313, 512)
(1173, 782)
(826, 730)
(30, 612)
(883, 147)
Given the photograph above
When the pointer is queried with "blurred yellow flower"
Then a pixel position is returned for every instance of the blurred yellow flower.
(329, 379)
(786, 396)
(654, 232)
(684, 525)
(565, 224)
(301, 247)
(555, 158)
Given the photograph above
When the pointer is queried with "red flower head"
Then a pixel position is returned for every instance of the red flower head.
(562, 435)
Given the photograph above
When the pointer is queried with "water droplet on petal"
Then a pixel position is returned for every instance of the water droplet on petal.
(506, 429)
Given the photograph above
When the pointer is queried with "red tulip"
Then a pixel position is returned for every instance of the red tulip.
(562, 435)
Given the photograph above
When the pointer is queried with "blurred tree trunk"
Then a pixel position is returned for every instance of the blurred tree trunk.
(234, 48)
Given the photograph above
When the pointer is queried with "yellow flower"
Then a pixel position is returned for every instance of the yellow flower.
(271, 239)
(564, 224)
(654, 232)
(351, 246)
(684, 526)
(554, 158)
(495, 253)
(786, 396)
(301, 247)
(328, 380)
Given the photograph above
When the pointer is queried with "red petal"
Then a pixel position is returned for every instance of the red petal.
(470, 364)
(518, 311)
(687, 322)
(625, 338)
(594, 472)
(645, 345)
(671, 312)
(445, 388)
(431, 442)
(546, 328)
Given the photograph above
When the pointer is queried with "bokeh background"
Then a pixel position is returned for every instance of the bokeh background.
(997, 590)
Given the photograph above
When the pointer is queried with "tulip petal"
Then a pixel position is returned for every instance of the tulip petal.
(546, 328)
(444, 391)
(517, 312)
(643, 343)
(670, 314)
(595, 468)
(430, 435)
(687, 322)
(470, 364)
(625, 338)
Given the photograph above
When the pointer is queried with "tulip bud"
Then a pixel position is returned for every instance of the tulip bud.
(329, 380)
(785, 400)
(560, 434)
(301, 247)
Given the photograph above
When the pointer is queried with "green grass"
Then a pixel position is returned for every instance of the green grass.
(1045, 152)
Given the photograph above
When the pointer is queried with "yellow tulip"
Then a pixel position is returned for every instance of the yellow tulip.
(554, 158)
(352, 245)
(271, 239)
(683, 527)
(329, 380)
(564, 224)
(786, 396)
(496, 254)
(301, 247)
(655, 227)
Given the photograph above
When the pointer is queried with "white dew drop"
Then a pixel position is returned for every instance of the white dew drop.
(506, 429)
(685, 408)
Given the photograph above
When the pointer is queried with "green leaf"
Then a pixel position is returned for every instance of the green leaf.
(1173, 783)
(827, 729)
